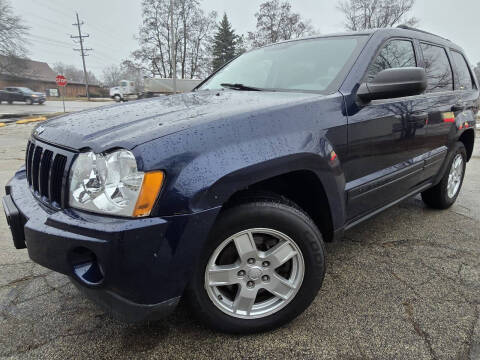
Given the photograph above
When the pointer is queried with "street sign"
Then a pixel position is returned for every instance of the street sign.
(53, 92)
(61, 80)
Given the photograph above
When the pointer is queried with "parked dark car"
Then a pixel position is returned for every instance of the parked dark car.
(4, 96)
(22, 94)
(226, 195)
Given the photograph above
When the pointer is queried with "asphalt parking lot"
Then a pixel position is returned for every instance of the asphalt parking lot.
(404, 285)
(49, 107)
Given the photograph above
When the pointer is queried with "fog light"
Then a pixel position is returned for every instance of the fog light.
(86, 267)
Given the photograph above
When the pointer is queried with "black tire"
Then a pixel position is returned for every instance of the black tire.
(29, 101)
(117, 98)
(10, 102)
(437, 197)
(278, 214)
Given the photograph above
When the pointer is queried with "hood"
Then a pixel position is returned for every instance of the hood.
(37, 93)
(134, 123)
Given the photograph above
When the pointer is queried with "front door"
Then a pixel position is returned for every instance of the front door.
(380, 166)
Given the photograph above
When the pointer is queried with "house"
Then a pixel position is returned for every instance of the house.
(38, 76)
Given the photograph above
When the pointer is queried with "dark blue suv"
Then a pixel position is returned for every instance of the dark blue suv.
(226, 195)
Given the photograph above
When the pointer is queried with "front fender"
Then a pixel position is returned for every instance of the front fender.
(206, 164)
(197, 182)
(328, 172)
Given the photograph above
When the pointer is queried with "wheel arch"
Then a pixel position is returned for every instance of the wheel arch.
(303, 188)
(308, 180)
(468, 140)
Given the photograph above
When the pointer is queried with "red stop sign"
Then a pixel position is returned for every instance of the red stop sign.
(61, 80)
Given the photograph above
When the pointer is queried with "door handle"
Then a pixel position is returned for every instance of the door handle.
(459, 107)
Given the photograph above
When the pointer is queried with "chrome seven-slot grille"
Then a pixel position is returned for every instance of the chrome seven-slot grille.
(46, 172)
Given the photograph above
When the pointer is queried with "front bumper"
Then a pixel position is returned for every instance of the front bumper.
(135, 268)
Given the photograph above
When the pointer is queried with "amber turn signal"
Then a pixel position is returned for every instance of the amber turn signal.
(151, 186)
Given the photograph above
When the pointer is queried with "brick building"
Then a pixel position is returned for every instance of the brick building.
(37, 76)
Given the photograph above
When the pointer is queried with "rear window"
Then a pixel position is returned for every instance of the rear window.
(437, 67)
(463, 80)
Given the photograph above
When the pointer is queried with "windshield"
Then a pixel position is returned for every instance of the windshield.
(307, 65)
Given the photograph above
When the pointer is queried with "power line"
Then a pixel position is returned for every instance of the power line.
(53, 24)
(83, 50)
(52, 41)
(101, 43)
(106, 30)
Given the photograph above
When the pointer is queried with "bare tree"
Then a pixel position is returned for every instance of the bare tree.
(111, 75)
(277, 22)
(127, 70)
(13, 34)
(198, 55)
(73, 74)
(192, 28)
(370, 14)
(133, 73)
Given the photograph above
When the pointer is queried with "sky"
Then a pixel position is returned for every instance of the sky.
(113, 24)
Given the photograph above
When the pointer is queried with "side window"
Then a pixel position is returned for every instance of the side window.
(437, 67)
(463, 80)
(395, 54)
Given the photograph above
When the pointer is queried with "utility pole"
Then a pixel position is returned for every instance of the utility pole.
(83, 51)
(174, 54)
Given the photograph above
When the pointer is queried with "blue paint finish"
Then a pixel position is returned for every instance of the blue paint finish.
(212, 144)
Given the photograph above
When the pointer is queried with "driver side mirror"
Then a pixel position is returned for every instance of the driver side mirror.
(394, 83)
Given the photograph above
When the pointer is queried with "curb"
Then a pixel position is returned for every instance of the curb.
(30, 120)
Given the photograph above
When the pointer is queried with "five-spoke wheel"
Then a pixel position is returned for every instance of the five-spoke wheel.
(266, 273)
(445, 193)
(262, 266)
(455, 176)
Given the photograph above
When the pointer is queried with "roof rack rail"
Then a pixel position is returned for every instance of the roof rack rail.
(406, 27)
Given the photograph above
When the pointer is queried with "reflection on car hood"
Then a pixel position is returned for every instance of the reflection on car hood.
(131, 124)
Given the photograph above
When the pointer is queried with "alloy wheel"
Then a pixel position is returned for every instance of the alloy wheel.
(455, 176)
(254, 273)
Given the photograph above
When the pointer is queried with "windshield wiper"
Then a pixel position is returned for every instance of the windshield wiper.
(240, 87)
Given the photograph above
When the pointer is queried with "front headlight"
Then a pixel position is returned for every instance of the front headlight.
(111, 184)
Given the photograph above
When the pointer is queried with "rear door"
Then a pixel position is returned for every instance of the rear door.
(466, 91)
(380, 167)
(16, 94)
(439, 103)
(10, 94)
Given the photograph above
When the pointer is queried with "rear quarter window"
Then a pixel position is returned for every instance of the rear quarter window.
(463, 79)
(437, 67)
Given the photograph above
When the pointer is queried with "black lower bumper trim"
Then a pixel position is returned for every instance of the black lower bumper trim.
(15, 221)
(116, 261)
(125, 310)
